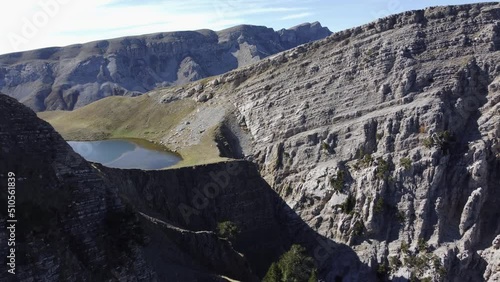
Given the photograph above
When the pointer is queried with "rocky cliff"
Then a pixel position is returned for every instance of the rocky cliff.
(384, 137)
(70, 77)
(70, 224)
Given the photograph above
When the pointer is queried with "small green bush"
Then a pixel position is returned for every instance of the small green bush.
(394, 263)
(314, 276)
(428, 143)
(379, 205)
(440, 140)
(349, 204)
(406, 163)
(404, 247)
(325, 147)
(401, 216)
(380, 135)
(382, 269)
(338, 182)
(358, 228)
(364, 161)
(273, 274)
(422, 245)
(294, 265)
(382, 168)
(227, 230)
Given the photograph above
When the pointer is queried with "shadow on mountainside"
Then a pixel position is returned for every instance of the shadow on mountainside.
(197, 199)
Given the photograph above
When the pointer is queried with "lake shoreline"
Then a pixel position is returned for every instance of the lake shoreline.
(127, 153)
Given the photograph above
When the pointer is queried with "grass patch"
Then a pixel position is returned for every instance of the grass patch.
(138, 118)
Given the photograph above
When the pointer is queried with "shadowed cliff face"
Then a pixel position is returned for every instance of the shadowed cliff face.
(66, 214)
(71, 77)
(384, 137)
(196, 199)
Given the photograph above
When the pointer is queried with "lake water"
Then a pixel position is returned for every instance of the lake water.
(125, 154)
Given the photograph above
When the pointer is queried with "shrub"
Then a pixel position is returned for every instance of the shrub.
(325, 147)
(401, 216)
(314, 276)
(380, 135)
(358, 228)
(404, 247)
(338, 182)
(441, 140)
(365, 160)
(227, 230)
(294, 265)
(422, 245)
(382, 269)
(428, 143)
(379, 205)
(382, 168)
(349, 204)
(394, 263)
(273, 274)
(406, 163)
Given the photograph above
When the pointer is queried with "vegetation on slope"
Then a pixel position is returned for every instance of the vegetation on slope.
(139, 118)
(293, 265)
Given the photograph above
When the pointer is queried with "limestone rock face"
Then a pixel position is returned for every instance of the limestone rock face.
(73, 76)
(385, 137)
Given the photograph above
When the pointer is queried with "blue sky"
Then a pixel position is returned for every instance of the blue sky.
(31, 24)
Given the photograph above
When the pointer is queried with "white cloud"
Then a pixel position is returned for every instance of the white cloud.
(297, 16)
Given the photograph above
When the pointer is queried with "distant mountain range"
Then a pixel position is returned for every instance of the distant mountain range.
(65, 78)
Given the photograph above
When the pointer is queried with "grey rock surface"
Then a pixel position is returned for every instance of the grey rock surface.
(384, 137)
(70, 77)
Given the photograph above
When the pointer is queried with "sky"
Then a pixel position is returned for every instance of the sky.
(33, 24)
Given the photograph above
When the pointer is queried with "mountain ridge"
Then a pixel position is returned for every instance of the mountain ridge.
(64, 78)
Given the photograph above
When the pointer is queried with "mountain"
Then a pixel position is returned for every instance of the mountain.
(384, 137)
(74, 76)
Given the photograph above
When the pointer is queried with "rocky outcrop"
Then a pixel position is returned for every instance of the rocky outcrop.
(70, 225)
(71, 77)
